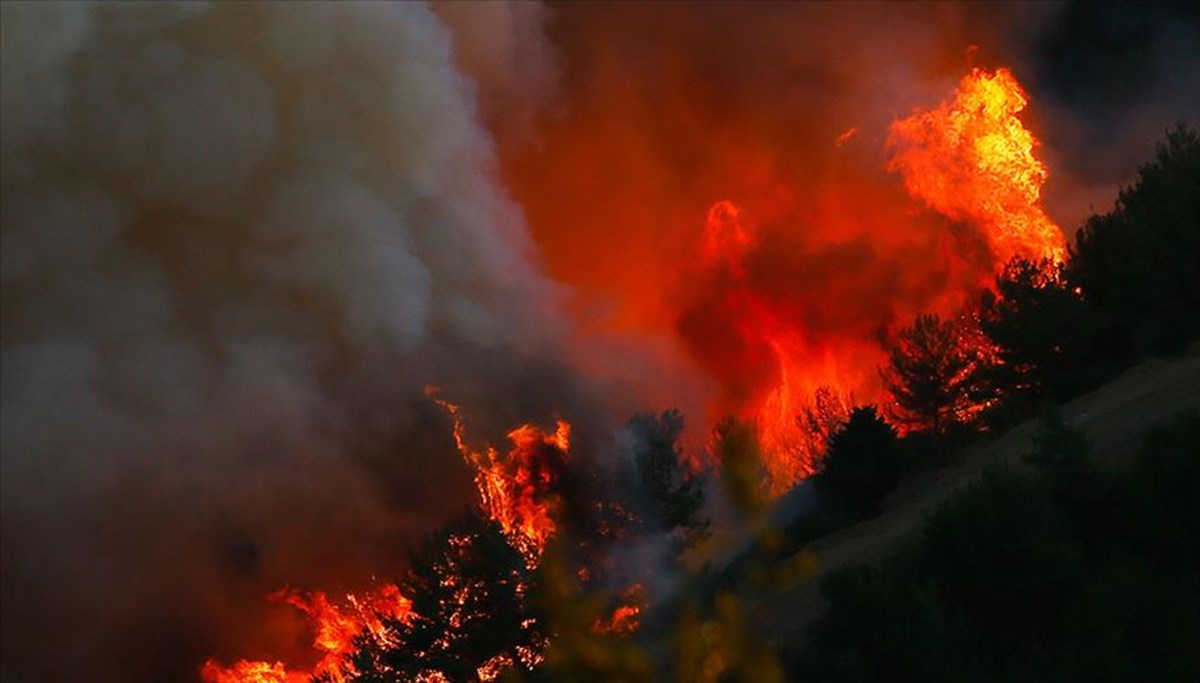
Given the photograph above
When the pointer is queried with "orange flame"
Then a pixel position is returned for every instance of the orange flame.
(336, 629)
(791, 446)
(250, 672)
(972, 159)
(516, 490)
(626, 616)
(624, 620)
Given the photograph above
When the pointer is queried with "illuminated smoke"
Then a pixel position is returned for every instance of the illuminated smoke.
(727, 190)
(238, 240)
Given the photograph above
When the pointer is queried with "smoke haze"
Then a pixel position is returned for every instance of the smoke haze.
(238, 240)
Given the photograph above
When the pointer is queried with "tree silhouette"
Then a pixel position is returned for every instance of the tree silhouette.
(470, 596)
(1042, 330)
(1140, 263)
(674, 492)
(864, 463)
(1070, 573)
(931, 374)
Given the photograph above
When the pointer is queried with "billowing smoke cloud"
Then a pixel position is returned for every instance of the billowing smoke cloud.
(238, 241)
(503, 46)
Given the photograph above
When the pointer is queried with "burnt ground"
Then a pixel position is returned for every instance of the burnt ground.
(1114, 419)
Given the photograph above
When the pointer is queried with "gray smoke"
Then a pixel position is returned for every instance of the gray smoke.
(238, 241)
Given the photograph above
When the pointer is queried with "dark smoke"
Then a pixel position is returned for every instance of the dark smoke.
(1110, 78)
(238, 241)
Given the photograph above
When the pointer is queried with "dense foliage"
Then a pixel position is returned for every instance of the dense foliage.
(1043, 331)
(1070, 575)
(470, 592)
(864, 463)
(675, 494)
(1139, 265)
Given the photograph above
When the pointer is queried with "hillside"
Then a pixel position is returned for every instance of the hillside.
(1114, 418)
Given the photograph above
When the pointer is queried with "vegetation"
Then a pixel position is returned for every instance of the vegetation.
(1131, 287)
(1055, 571)
(1042, 330)
(931, 373)
(864, 463)
(675, 494)
(470, 592)
(1020, 578)
(1139, 265)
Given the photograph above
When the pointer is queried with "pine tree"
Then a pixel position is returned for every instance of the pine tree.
(470, 601)
(931, 374)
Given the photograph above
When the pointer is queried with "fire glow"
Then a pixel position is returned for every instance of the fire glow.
(335, 631)
(516, 491)
(970, 159)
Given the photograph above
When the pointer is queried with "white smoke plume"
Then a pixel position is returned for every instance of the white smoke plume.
(238, 240)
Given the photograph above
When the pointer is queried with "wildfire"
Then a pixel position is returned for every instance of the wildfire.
(784, 361)
(335, 628)
(803, 373)
(972, 159)
(250, 672)
(626, 616)
(516, 490)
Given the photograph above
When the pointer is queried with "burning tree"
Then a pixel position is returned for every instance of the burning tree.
(826, 415)
(1042, 329)
(520, 490)
(472, 617)
(932, 374)
(336, 629)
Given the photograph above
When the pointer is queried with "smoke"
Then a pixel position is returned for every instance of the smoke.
(1109, 79)
(783, 109)
(503, 46)
(238, 241)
